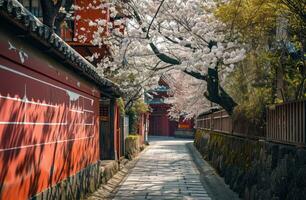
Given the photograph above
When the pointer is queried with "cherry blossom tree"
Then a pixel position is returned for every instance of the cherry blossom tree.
(186, 97)
(161, 36)
(185, 35)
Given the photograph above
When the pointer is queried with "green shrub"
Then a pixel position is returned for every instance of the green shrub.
(120, 103)
(139, 107)
(132, 146)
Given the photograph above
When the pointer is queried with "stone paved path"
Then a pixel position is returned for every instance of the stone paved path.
(165, 171)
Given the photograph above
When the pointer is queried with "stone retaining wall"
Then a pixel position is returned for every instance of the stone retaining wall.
(184, 133)
(256, 169)
(84, 182)
(133, 146)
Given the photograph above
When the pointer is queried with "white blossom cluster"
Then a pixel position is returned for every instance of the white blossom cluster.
(184, 96)
(184, 30)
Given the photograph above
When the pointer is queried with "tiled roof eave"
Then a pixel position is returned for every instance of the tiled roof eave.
(13, 11)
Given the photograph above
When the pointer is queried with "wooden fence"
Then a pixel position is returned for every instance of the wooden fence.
(285, 123)
(220, 121)
(217, 121)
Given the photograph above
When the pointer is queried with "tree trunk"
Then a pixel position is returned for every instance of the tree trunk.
(50, 9)
(280, 82)
(61, 16)
(215, 93)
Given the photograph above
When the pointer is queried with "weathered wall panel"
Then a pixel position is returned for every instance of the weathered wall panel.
(48, 121)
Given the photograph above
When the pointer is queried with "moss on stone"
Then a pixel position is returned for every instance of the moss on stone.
(253, 168)
(132, 146)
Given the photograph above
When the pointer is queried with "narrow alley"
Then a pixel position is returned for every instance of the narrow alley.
(166, 170)
(154, 99)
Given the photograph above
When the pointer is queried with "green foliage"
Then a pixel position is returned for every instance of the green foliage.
(270, 73)
(132, 136)
(120, 103)
(250, 84)
(251, 18)
(138, 108)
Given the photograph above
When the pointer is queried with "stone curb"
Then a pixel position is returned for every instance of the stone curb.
(213, 183)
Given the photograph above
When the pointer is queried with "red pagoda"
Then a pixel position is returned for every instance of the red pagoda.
(160, 123)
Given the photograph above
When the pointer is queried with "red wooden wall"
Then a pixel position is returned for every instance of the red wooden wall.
(91, 11)
(142, 123)
(185, 123)
(48, 122)
(117, 131)
(160, 124)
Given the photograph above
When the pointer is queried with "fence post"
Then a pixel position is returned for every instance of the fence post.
(286, 123)
(211, 122)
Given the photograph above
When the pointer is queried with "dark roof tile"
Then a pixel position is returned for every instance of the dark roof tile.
(18, 13)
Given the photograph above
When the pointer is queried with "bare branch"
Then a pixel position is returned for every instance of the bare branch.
(196, 75)
(164, 67)
(163, 56)
(155, 15)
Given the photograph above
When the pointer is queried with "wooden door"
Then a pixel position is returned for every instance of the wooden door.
(157, 125)
(105, 145)
(108, 131)
(172, 127)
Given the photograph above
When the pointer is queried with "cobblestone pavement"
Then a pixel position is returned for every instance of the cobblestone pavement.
(165, 171)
